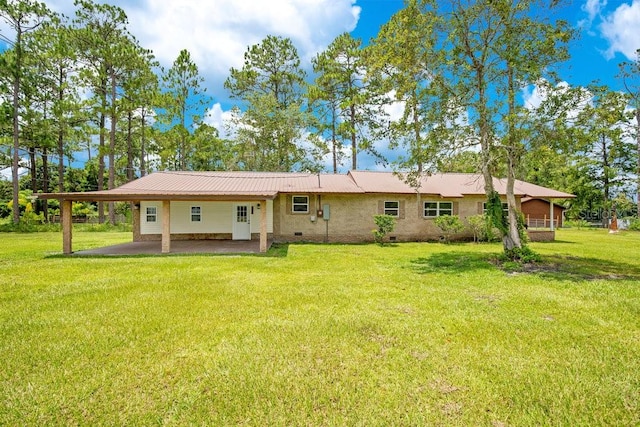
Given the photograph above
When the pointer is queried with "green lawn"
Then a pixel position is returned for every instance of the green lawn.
(410, 334)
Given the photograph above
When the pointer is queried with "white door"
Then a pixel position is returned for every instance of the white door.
(241, 222)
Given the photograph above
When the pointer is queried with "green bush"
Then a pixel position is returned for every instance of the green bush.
(634, 224)
(385, 224)
(482, 228)
(450, 225)
(523, 255)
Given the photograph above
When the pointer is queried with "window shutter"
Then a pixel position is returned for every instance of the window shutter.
(455, 208)
(401, 209)
(289, 205)
(480, 207)
(380, 207)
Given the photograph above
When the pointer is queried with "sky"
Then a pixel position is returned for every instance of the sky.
(218, 32)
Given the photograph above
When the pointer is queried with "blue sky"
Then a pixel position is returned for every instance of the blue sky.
(217, 33)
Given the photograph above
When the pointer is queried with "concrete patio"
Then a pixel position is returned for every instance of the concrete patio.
(179, 247)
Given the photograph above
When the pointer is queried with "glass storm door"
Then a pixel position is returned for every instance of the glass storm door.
(241, 223)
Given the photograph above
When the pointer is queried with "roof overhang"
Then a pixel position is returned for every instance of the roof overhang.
(119, 196)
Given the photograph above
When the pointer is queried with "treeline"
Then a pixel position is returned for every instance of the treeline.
(438, 89)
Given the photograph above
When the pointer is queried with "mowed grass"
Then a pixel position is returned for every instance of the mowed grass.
(409, 334)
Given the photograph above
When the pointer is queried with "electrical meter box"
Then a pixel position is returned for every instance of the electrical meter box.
(325, 212)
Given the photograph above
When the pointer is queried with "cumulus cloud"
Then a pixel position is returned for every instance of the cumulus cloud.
(592, 8)
(620, 29)
(219, 118)
(218, 32)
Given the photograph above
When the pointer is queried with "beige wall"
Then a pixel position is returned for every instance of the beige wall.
(351, 217)
(216, 218)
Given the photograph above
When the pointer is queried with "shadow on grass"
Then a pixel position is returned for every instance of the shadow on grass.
(581, 268)
(454, 262)
(552, 267)
(277, 250)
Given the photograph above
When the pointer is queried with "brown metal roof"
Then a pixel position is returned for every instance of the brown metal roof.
(217, 186)
(266, 185)
(447, 185)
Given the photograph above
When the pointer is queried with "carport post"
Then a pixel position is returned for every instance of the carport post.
(551, 213)
(166, 226)
(263, 226)
(67, 227)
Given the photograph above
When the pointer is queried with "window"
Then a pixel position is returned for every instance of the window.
(434, 209)
(196, 214)
(242, 214)
(392, 208)
(505, 207)
(152, 214)
(300, 204)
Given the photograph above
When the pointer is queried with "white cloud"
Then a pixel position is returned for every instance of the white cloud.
(620, 29)
(218, 32)
(593, 8)
(217, 117)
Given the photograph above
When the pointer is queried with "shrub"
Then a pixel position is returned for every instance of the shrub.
(482, 228)
(634, 224)
(524, 255)
(450, 225)
(385, 224)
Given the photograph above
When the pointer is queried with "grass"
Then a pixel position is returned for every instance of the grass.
(404, 334)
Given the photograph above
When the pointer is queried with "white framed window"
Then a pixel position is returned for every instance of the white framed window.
(505, 207)
(196, 214)
(392, 208)
(300, 204)
(434, 209)
(151, 213)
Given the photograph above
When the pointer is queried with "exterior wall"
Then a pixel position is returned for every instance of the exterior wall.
(536, 209)
(216, 220)
(351, 217)
(541, 235)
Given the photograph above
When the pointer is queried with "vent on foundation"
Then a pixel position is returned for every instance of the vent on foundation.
(298, 233)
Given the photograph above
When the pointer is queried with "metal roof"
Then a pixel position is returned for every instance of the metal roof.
(447, 185)
(266, 185)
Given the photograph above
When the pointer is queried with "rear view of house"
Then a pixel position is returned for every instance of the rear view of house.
(289, 207)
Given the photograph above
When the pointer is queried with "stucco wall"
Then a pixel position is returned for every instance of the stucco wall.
(351, 218)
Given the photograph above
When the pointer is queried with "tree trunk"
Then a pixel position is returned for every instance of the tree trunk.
(112, 148)
(638, 159)
(60, 135)
(511, 240)
(354, 144)
(605, 182)
(33, 169)
(15, 164)
(333, 139)
(45, 182)
(130, 175)
(143, 165)
(101, 164)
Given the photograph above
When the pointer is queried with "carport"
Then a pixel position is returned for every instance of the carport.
(166, 187)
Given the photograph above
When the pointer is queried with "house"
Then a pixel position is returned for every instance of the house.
(289, 207)
(538, 213)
